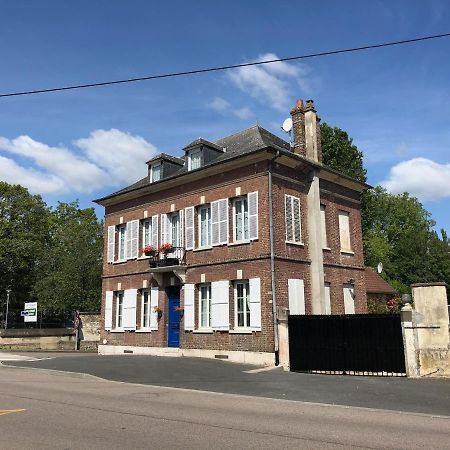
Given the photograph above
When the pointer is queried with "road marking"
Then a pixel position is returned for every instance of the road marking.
(10, 411)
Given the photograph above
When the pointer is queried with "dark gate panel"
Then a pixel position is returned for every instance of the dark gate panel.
(354, 344)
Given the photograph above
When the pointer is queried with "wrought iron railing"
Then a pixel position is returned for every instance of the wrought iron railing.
(175, 257)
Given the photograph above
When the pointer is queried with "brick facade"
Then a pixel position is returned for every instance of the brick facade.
(237, 261)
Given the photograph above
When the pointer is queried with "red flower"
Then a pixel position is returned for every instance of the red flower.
(165, 248)
(149, 250)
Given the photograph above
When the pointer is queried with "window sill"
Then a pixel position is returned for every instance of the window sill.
(122, 261)
(200, 249)
(117, 330)
(204, 331)
(143, 257)
(242, 331)
(144, 330)
(246, 241)
(298, 244)
(326, 249)
(347, 252)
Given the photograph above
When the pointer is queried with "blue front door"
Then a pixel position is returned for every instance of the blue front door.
(173, 335)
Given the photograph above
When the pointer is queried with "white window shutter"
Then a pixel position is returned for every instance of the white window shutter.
(220, 299)
(252, 200)
(181, 222)
(288, 218)
(296, 294)
(297, 224)
(327, 291)
(189, 228)
(128, 240)
(111, 243)
(215, 233)
(108, 310)
(154, 294)
(255, 303)
(344, 230)
(223, 221)
(129, 309)
(164, 229)
(189, 302)
(134, 239)
(155, 231)
(323, 225)
(349, 299)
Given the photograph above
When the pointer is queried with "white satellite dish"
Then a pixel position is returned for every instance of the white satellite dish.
(380, 267)
(287, 125)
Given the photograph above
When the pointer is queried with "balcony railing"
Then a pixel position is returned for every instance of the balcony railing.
(175, 257)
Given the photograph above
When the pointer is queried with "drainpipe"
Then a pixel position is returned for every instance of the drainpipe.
(272, 264)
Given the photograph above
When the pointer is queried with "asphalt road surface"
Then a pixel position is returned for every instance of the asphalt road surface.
(51, 410)
(429, 396)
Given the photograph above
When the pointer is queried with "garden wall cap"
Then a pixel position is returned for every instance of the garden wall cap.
(437, 283)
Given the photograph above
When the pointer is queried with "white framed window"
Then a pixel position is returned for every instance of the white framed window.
(155, 172)
(344, 231)
(204, 226)
(242, 304)
(122, 242)
(195, 159)
(293, 219)
(204, 305)
(323, 225)
(147, 232)
(119, 310)
(175, 229)
(327, 293)
(240, 219)
(145, 309)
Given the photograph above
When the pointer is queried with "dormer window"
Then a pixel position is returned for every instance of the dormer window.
(155, 172)
(195, 158)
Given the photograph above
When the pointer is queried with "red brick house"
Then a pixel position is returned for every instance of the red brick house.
(256, 224)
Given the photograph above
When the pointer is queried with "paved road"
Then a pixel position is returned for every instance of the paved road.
(50, 410)
(429, 396)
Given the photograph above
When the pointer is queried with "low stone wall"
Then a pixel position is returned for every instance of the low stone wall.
(37, 339)
(89, 331)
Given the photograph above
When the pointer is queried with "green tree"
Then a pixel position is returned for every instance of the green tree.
(339, 152)
(72, 265)
(24, 234)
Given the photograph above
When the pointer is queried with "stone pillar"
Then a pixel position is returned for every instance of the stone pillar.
(298, 128)
(315, 244)
(430, 304)
(283, 336)
(409, 341)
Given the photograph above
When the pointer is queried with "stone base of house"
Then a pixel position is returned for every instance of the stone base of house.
(252, 358)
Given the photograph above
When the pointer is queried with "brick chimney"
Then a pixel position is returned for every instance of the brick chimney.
(298, 127)
(312, 132)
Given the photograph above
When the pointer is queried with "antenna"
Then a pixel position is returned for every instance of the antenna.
(287, 127)
(380, 267)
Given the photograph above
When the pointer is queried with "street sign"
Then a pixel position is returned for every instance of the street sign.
(30, 311)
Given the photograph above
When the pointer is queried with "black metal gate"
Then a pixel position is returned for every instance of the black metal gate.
(354, 344)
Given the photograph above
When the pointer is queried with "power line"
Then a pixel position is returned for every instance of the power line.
(216, 69)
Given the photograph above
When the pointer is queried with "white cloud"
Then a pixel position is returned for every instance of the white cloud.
(120, 154)
(35, 181)
(421, 177)
(105, 158)
(271, 82)
(223, 106)
(219, 104)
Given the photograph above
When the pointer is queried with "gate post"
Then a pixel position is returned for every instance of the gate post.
(409, 341)
(283, 336)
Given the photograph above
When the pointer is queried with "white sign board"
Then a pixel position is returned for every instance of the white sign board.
(30, 312)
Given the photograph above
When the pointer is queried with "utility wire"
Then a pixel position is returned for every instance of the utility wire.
(216, 69)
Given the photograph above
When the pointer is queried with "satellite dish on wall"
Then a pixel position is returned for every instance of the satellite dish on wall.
(287, 125)
(380, 267)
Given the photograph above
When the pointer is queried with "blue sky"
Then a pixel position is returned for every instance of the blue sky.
(83, 144)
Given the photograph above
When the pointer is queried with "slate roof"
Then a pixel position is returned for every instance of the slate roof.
(242, 142)
(167, 157)
(201, 141)
(377, 285)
